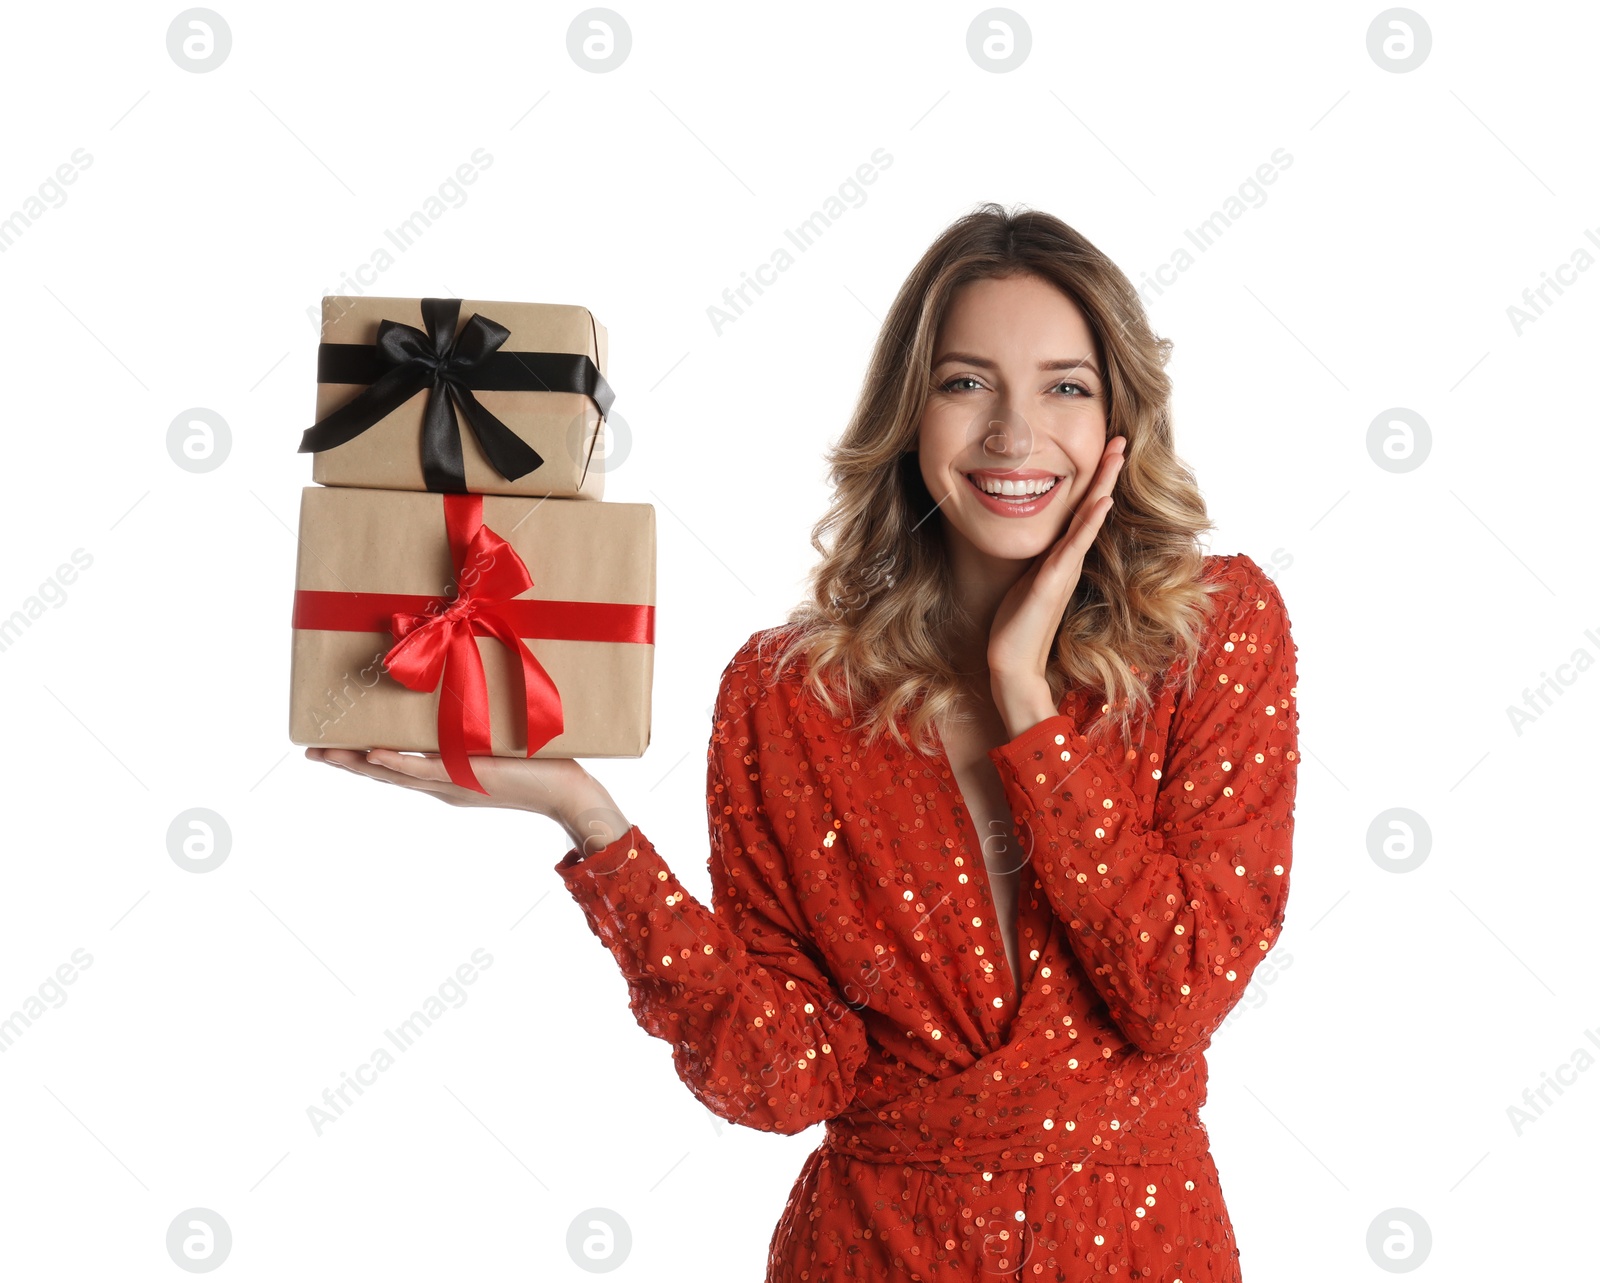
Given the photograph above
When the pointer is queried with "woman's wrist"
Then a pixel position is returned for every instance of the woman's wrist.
(1022, 703)
(593, 821)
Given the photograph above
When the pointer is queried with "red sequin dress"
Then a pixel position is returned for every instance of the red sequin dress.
(849, 969)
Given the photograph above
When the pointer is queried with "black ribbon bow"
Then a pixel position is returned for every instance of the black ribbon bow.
(405, 360)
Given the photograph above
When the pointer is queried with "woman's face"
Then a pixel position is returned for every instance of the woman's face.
(1018, 404)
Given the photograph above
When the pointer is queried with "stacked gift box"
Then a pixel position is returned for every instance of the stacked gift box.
(462, 585)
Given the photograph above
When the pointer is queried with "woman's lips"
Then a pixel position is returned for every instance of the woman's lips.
(1013, 507)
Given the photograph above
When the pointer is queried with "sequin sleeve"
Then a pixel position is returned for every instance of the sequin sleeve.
(758, 1030)
(1170, 920)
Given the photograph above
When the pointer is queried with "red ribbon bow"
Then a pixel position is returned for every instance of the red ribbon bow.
(439, 651)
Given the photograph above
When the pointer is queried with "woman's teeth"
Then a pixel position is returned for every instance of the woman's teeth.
(1013, 489)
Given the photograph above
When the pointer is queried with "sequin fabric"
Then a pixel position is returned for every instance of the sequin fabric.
(849, 969)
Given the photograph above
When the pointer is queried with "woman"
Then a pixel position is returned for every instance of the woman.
(982, 887)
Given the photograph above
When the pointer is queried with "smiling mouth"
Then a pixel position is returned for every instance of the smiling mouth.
(1017, 492)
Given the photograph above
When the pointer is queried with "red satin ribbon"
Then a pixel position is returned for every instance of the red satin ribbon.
(434, 636)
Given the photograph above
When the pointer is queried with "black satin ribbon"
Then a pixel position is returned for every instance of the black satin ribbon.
(405, 360)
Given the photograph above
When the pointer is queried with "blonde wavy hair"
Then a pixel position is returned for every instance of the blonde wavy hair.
(875, 629)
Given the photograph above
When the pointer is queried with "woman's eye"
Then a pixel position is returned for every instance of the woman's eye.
(952, 385)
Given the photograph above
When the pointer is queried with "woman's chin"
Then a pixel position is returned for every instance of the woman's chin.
(1007, 544)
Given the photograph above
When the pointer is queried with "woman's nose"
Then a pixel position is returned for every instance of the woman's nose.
(1002, 432)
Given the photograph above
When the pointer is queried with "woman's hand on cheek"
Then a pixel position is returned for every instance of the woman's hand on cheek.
(1025, 627)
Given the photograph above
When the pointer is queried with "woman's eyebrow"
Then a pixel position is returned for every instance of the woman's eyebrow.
(1064, 363)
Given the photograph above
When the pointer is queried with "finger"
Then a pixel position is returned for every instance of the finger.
(1090, 513)
(1081, 531)
(1061, 567)
(1105, 480)
(420, 766)
(357, 761)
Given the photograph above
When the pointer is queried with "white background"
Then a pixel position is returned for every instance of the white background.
(181, 271)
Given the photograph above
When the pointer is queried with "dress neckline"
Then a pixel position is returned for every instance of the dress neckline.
(1019, 982)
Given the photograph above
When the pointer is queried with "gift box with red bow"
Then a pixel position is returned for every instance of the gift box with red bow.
(458, 395)
(470, 624)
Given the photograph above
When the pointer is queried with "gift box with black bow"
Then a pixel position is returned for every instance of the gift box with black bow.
(459, 396)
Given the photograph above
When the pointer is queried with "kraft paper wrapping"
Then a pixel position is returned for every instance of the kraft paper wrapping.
(356, 540)
(564, 427)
